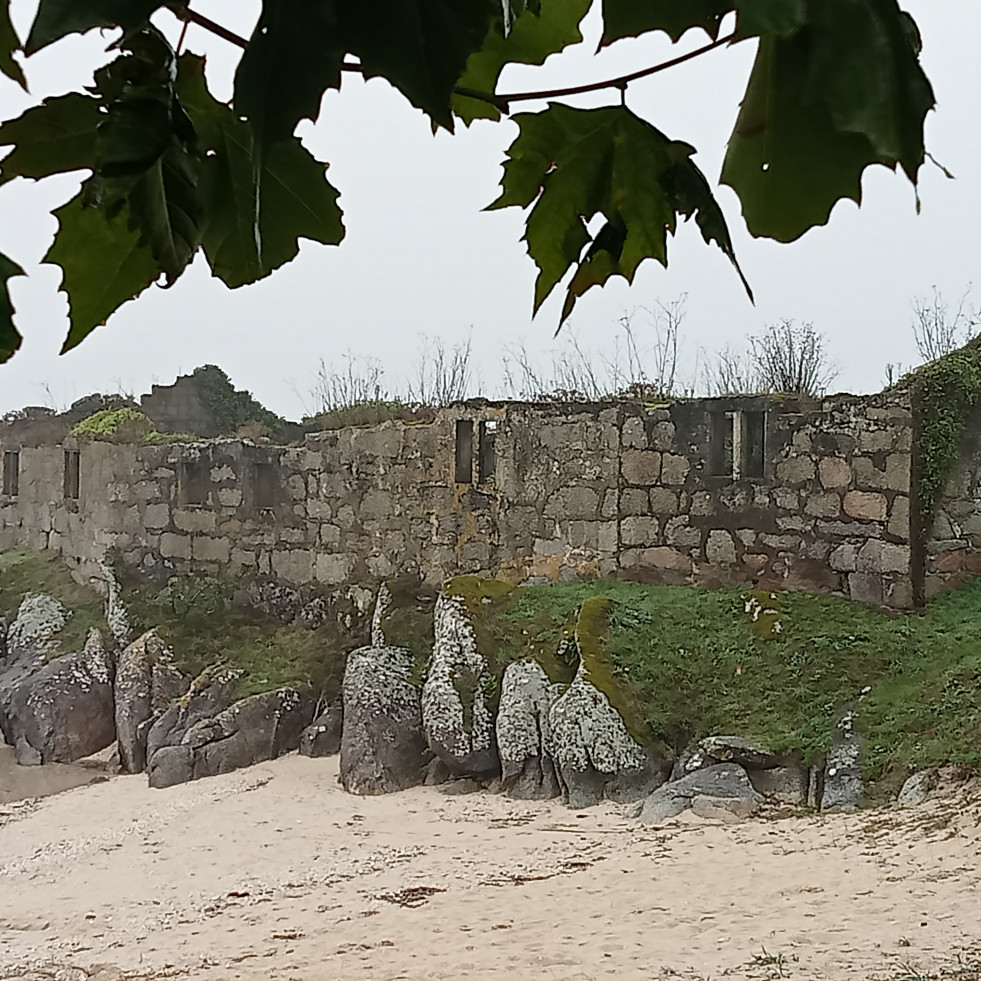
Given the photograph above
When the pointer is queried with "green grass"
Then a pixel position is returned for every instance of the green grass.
(691, 659)
(680, 663)
(44, 572)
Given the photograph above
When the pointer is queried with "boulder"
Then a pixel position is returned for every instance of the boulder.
(727, 809)
(786, 784)
(146, 684)
(595, 756)
(527, 770)
(205, 734)
(735, 749)
(323, 736)
(457, 716)
(63, 711)
(383, 745)
(916, 789)
(692, 759)
(843, 786)
(28, 642)
(724, 781)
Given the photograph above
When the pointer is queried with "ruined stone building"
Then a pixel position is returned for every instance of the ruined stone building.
(818, 495)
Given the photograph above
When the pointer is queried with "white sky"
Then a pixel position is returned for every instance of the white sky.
(422, 258)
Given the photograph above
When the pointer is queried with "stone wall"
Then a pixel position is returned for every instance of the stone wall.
(952, 546)
(800, 494)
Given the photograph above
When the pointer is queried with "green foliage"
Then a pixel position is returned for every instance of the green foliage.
(9, 43)
(57, 18)
(258, 204)
(626, 18)
(533, 36)
(231, 407)
(104, 264)
(55, 137)
(10, 339)
(573, 164)
(124, 423)
(945, 392)
(836, 86)
(843, 92)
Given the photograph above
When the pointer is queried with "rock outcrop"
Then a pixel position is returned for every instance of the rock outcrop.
(735, 749)
(62, 711)
(720, 790)
(323, 736)
(523, 734)
(206, 734)
(383, 745)
(457, 716)
(595, 755)
(146, 684)
(29, 641)
(843, 787)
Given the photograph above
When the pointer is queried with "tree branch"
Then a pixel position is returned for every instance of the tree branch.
(501, 102)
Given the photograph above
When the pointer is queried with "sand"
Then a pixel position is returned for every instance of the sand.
(274, 873)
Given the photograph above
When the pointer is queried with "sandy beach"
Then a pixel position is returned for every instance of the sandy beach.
(275, 873)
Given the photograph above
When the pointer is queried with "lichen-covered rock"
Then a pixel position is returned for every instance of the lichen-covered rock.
(735, 749)
(595, 756)
(28, 642)
(915, 789)
(146, 684)
(63, 711)
(38, 619)
(725, 781)
(691, 759)
(843, 787)
(117, 616)
(527, 770)
(249, 731)
(383, 745)
(323, 736)
(458, 721)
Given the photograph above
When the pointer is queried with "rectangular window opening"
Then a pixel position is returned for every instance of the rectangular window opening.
(754, 444)
(11, 473)
(72, 475)
(720, 444)
(486, 451)
(194, 481)
(265, 485)
(464, 451)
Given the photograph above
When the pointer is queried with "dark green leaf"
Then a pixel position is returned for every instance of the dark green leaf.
(574, 164)
(10, 340)
(104, 264)
(843, 93)
(631, 18)
(531, 39)
(56, 18)
(258, 205)
(53, 138)
(293, 57)
(420, 46)
(9, 43)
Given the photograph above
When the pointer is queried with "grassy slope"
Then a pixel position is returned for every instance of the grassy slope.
(33, 572)
(688, 657)
(694, 665)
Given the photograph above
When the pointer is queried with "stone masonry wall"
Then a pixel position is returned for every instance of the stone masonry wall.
(952, 551)
(687, 492)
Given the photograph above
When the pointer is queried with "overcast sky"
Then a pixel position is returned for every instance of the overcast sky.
(422, 258)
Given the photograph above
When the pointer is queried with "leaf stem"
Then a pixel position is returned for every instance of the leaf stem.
(503, 101)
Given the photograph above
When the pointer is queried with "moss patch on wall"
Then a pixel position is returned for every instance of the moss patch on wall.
(944, 393)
